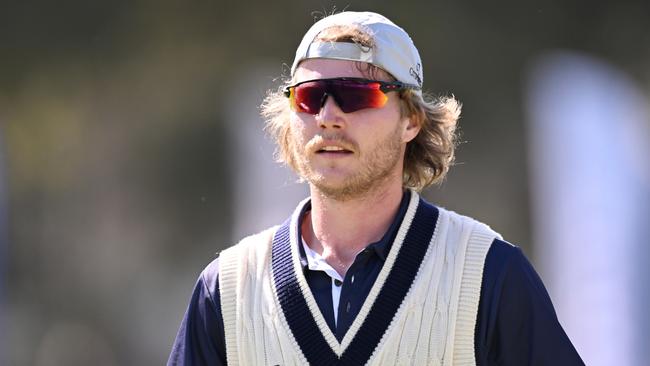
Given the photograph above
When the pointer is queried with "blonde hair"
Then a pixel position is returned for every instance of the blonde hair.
(428, 156)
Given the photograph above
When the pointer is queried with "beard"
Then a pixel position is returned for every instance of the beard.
(376, 166)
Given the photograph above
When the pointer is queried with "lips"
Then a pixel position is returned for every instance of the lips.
(333, 149)
(330, 146)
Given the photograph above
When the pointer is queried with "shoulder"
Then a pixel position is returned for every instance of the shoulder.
(503, 255)
(502, 259)
(507, 264)
(512, 292)
(209, 277)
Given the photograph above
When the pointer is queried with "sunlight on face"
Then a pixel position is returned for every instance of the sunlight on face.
(370, 140)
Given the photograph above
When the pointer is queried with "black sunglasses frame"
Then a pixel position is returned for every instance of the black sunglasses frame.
(384, 86)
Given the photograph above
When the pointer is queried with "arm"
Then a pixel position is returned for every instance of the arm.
(517, 324)
(200, 339)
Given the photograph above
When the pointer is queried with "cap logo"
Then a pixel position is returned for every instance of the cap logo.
(416, 74)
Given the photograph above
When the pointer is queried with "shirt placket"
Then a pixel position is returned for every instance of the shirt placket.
(351, 298)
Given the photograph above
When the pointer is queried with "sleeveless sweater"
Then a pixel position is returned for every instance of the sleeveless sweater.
(421, 309)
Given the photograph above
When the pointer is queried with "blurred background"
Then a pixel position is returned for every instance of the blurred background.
(131, 152)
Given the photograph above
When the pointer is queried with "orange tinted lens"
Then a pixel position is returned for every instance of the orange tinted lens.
(308, 97)
(350, 95)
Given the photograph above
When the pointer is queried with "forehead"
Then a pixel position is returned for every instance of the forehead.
(321, 68)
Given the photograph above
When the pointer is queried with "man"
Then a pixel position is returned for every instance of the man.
(365, 271)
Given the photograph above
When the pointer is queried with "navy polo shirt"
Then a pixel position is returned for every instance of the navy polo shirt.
(516, 322)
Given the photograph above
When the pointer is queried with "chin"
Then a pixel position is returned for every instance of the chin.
(342, 189)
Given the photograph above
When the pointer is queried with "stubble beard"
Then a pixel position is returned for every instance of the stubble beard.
(376, 168)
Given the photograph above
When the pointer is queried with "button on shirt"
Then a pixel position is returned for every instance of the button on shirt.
(316, 262)
(343, 291)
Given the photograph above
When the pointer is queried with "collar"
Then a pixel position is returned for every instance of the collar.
(302, 316)
(381, 247)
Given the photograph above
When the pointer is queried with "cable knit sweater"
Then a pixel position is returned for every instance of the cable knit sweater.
(421, 310)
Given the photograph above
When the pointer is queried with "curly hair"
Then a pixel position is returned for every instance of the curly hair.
(428, 156)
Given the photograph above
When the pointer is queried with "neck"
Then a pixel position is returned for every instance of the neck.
(339, 230)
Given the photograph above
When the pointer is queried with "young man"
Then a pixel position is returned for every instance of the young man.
(365, 271)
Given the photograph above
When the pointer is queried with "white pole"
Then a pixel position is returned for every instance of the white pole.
(589, 153)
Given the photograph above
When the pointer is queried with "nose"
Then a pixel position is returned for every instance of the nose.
(330, 115)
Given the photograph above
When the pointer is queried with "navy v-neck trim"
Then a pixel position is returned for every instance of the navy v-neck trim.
(300, 320)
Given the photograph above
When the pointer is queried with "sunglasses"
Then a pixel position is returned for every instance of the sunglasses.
(350, 94)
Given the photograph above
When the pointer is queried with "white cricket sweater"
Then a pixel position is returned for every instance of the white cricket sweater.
(421, 309)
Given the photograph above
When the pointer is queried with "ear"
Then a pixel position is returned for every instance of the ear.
(411, 129)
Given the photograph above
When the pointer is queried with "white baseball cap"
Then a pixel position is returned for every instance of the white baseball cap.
(394, 50)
